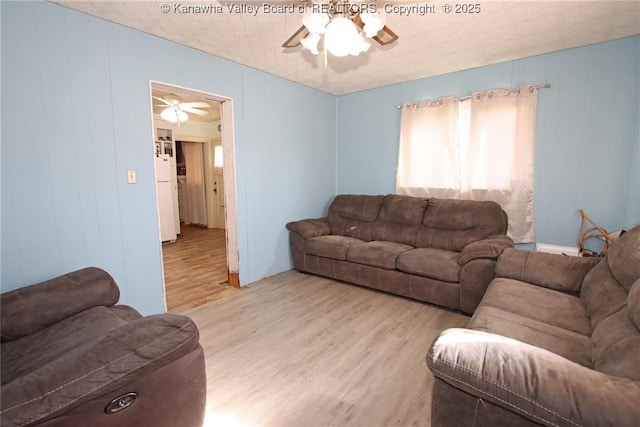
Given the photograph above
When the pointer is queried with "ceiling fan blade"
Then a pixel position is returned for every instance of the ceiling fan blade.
(194, 111)
(195, 105)
(385, 36)
(164, 101)
(294, 40)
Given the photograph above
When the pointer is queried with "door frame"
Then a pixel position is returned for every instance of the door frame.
(229, 171)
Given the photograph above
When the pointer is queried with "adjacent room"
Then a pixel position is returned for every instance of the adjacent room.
(189, 170)
(323, 212)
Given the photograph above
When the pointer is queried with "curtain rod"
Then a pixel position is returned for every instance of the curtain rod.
(464, 98)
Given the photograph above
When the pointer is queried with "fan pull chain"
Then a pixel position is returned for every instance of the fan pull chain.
(325, 59)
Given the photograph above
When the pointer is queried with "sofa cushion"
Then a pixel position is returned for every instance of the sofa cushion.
(435, 263)
(395, 232)
(602, 294)
(453, 224)
(403, 209)
(331, 246)
(354, 215)
(356, 207)
(377, 253)
(616, 346)
(400, 219)
(545, 305)
(568, 344)
(562, 273)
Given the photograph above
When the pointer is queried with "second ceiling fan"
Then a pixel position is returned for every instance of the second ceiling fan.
(175, 110)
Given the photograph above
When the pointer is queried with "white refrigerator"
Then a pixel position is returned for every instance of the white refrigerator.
(164, 188)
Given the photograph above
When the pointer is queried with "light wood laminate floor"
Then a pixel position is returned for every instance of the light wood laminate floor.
(300, 350)
(195, 268)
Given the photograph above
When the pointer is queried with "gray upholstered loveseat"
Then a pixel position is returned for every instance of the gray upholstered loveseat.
(72, 357)
(555, 341)
(434, 250)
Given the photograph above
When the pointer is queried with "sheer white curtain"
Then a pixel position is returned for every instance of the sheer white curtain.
(480, 149)
(428, 157)
(499, 157)
(194, 197)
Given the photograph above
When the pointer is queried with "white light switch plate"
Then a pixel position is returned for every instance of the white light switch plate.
(131, 176)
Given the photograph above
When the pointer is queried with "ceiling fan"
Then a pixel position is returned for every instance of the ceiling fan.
(345, 24)
(176, 111)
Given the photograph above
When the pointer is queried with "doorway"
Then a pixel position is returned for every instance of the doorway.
(193, 132)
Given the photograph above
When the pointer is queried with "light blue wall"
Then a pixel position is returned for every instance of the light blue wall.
(76, 117)
(633, 200)
(586, 132)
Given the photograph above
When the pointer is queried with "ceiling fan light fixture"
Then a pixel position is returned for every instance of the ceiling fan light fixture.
(311, 43)
(359, 45)
(348, 28)
(342, 37)
(174, 115)
(316, 23)
(373, 22)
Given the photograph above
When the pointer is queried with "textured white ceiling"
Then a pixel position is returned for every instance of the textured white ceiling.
(430, 44)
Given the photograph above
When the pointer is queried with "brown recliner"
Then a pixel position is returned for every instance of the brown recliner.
(72, 357)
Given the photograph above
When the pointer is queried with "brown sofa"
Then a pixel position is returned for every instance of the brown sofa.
(433, 250)
(71, 357)
(555, 341)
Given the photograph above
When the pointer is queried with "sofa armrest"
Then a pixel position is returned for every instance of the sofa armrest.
(490, 248)
(309, 228)
(32, 308)
(559, 272)
(122, 356)
(531, 381)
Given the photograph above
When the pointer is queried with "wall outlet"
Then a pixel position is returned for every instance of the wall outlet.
(131, 177)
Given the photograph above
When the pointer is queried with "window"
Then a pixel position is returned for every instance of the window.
(479, 149)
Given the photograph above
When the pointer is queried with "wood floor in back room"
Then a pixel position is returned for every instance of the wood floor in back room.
(195, 268)
(300, 350)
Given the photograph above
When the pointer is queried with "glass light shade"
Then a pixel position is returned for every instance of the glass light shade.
(341, 36)
(173, 115)
(311, 43)
(315, 22)
(359, 45)
(373, 22)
